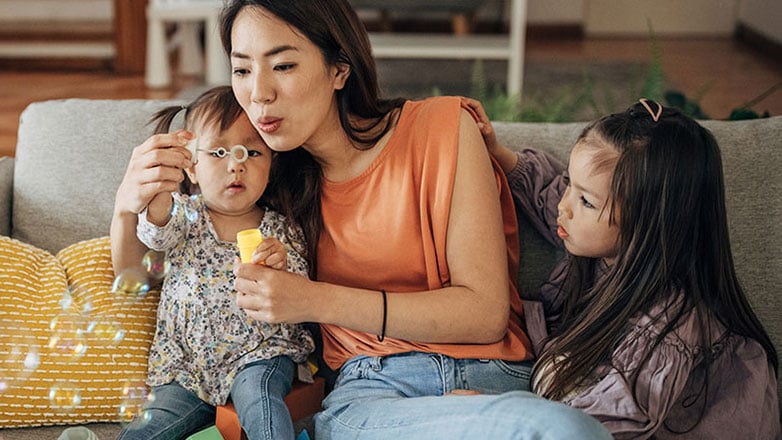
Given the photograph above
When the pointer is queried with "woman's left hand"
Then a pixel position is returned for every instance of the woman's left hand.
(271, 295)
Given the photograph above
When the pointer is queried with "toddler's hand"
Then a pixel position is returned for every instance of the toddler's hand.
(271, 252)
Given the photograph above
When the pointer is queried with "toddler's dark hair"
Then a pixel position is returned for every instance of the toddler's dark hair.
(217, 106)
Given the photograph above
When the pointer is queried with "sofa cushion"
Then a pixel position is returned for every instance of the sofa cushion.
(6, 191)
(70, 158)
(752, 160)
(102, 344)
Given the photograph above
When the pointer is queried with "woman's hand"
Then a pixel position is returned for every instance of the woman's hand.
(271, 252)
(153, 172)
(271, 295)
(155, 167)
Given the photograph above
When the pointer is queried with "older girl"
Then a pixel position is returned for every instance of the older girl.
(650, 330)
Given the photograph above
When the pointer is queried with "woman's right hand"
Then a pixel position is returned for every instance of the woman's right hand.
(155, 167)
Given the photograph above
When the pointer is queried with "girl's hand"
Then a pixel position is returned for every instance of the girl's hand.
(271, 295)
(502, 154)
(272, 253)
(155, 167)
(484, 124)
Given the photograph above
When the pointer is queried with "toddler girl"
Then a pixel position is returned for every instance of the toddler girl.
(206, 348)
(649, 329)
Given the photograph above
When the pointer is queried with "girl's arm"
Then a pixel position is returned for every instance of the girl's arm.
(537, 180)
(537, 183)
(155, 167)
(473, 309)
(638, 410)
(502, 154)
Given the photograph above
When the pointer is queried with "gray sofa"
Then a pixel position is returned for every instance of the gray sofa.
(71, 156)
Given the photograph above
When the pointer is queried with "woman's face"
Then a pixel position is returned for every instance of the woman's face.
(282, 81)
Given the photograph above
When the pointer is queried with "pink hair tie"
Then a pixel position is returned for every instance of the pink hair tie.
(655, 116)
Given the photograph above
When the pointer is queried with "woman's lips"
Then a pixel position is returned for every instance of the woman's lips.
(562, 232)
(269, 125)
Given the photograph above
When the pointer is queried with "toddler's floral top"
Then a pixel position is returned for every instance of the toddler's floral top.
(203, 338)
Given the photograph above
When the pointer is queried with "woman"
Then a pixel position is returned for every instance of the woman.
(414, 280)
(411, 235)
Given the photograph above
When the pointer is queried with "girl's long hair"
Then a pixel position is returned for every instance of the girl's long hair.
(674, 248)
(334, 27)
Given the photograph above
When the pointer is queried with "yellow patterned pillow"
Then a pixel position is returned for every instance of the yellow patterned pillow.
(90, 342)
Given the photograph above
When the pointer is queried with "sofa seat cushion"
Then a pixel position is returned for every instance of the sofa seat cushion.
(72, 349)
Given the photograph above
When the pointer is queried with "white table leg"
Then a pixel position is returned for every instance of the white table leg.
(518, 25)
(158, 71)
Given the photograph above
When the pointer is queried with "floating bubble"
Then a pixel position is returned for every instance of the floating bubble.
(132, 281)
(105, 332)
(191, 215)
(135, 394)
(67, 337)
(156, 264)
(66, 302)
(86, 308)
(21, 359)
(64, 396)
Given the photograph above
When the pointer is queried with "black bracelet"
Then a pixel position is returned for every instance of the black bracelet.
(382, 334)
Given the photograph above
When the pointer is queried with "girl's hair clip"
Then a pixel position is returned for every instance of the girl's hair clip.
(655, 116)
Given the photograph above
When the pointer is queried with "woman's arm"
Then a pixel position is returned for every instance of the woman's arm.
(155, 167)
(537, 180)
(474, 309)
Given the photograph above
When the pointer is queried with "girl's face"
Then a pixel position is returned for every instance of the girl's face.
(282, 81)
(584, 209)
(228, 187)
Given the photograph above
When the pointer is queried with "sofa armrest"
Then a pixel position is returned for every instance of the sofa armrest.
(6, 192)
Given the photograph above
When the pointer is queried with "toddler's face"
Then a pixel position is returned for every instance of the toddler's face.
(584, 209)
(230, 186)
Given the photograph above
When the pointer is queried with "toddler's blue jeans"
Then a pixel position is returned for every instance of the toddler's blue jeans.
(257, 393)
(406, 396)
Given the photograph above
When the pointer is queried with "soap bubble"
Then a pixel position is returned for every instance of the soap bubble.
(156, 264)
(131, 281)
(104, 332)
(135, 394)
(22, 357)
(67, 337)
(66, 302)
(64, 396)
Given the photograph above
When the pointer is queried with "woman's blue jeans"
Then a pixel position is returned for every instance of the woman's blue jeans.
(258, 394)
(406, 396)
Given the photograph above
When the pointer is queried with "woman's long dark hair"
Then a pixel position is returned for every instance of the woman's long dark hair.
(334, 27)
(674, 248)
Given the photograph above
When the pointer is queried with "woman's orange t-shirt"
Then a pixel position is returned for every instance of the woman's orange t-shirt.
(386, 229)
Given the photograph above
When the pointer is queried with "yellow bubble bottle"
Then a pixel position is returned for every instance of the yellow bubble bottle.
(248, 240)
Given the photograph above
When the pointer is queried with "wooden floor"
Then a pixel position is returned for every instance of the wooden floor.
(723, 72)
